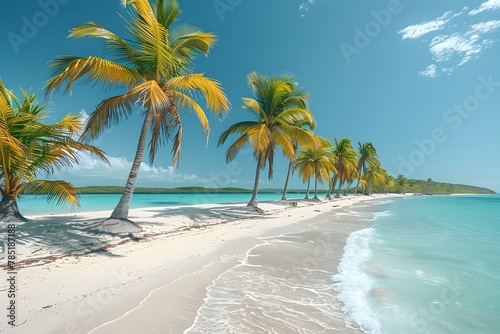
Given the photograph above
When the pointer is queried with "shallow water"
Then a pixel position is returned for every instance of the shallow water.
(428, 265)
(33, 205)
(283, 284)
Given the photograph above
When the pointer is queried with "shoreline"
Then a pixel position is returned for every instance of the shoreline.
(183, 249)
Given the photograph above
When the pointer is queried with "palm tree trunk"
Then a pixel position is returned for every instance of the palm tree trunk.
(253, 201)
(119, 222)
(285, 189)
(356, 189)
(9, 211)
(308, 186)
(340, 188)
(332, 187)
(316, 186)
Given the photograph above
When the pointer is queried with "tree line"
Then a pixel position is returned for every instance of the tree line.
(153, 66)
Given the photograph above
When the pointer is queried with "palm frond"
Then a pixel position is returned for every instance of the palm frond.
(284, 143)
(260, 137)
(235, 147)
(151, 38)
(58, 191)
(238, 128)
(163, 125)
(186, 41)
(108, 113)
(68, 69)
(112, 42)
(166, 12)
(296, 116)
(187, 102)
(215, 98)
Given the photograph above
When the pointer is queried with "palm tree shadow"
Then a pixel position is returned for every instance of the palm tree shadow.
(62, 236)
(208, 216)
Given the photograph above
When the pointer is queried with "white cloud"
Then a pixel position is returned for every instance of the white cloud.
(486, 6)
(421, 29)
(461, 48)
(304, 7)
(91, 170)
(430, 71)
(485, 27)
(452, 49)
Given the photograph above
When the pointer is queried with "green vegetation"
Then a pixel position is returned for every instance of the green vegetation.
(429, 187)
(279, 106)
(433, 188)
(154, 65)
(29, 148)
(317, 162)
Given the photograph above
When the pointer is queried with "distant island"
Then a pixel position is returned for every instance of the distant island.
(424, 187)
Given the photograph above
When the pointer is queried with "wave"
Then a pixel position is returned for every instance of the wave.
(353, 285)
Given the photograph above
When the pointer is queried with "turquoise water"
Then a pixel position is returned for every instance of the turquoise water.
(32, 205)
(428, 265)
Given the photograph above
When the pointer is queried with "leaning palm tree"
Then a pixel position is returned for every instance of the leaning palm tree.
(293, 161)
(346, 164)
(368, 156)
(318, 161)
(30, 148)
(279, 106)
(153, 65)
(290, 167)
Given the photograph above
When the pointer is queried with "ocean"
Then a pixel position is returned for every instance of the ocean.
(417, 265)
(427, 265)
(34, 205)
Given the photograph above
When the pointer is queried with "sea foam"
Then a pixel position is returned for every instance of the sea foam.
(353, 285)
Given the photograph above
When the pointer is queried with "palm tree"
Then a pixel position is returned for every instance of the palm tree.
(375, 176)
(319, 162)
(402, 182)
(368, 156)
(346, 164)
(154, 66)
(29, 147)
(388, 180)
(292, 162)
(279, 106)
(290, 166)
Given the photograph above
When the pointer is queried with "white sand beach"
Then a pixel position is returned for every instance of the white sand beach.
(71, 280)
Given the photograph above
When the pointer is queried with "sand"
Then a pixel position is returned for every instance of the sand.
(70, 280)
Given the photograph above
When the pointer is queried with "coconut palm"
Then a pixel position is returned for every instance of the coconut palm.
(29, 148)
(388, 181)
(346, 164)
(279, 106)
(292, 162)
(402, 182)
(153, 65)
(368, 156)
(318, 161)
(290, 167)
(374, 177)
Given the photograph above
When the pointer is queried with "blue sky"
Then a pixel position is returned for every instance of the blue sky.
(419, 79)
